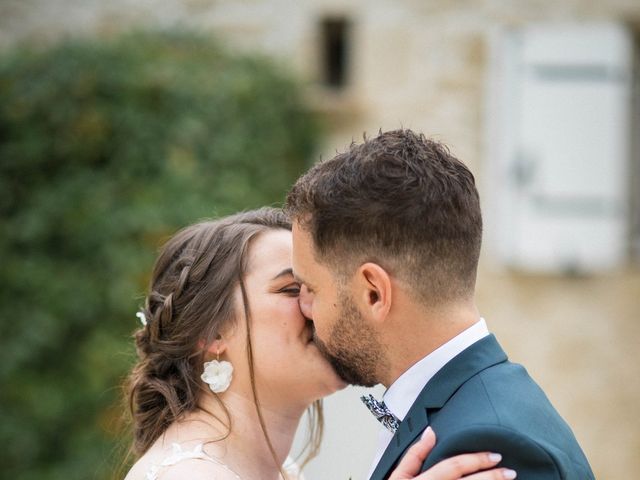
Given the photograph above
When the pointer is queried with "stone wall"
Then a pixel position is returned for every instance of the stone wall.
(421, 64)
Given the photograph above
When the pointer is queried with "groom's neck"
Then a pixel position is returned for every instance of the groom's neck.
(414, 332)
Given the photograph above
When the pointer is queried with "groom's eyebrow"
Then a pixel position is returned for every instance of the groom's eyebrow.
(301, 280)
(283, 273)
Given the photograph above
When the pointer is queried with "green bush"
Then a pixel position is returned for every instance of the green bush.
(106, 147)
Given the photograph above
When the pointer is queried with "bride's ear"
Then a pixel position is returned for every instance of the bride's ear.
(215, 348)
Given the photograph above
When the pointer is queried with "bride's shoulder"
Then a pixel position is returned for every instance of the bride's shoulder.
(180, 463)
(194, 469)
(188, 469)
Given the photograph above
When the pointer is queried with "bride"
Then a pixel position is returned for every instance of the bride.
(227, 363)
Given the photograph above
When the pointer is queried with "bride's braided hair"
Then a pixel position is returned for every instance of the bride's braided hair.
(190, 299)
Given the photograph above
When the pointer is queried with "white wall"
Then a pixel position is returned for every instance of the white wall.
(350, 440)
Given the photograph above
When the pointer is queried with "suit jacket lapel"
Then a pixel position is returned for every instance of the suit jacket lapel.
(479, 356)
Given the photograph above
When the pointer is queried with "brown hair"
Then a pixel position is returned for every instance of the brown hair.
(191, 297)
(402, 201)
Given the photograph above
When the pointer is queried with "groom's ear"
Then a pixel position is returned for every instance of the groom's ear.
(374, 291)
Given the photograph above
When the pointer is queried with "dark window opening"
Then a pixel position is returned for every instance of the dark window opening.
(335, 49)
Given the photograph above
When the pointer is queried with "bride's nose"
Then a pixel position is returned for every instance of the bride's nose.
(305, 300)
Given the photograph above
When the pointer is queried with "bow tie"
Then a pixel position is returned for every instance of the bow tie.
(382, 413)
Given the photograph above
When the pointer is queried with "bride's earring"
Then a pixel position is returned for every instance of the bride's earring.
(217, 374)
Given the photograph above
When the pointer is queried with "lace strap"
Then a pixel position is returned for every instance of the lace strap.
(178, 455)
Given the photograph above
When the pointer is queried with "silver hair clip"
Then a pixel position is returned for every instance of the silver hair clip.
(142, 317)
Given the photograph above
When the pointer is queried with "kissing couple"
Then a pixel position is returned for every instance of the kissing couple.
(367, 276)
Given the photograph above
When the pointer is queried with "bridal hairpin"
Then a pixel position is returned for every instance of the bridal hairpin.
(142, 317)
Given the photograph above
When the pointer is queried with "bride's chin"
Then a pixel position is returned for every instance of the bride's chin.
(333, 382)
(327, 382)
(329, 389)
(340, 384)
(330, 379)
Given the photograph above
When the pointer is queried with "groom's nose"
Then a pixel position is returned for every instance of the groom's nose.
(305, 300)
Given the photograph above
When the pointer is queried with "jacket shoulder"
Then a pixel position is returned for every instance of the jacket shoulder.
(519, 452)
(502, 409)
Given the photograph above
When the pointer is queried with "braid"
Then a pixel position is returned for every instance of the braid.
(162, 385)
(182, 280)
(161, 307)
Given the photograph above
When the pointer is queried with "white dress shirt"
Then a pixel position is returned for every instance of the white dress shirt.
(405, 390)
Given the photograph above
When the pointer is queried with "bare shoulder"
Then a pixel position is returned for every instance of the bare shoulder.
(138, 471)
(188, 469)
(197, 469)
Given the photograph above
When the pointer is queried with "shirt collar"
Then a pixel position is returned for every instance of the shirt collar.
(403, 392)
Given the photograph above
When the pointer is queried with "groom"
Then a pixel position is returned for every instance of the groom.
(386, 240)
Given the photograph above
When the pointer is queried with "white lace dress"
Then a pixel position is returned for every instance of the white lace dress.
(178, 454)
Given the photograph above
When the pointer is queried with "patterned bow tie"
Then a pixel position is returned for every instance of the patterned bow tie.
(382, 413)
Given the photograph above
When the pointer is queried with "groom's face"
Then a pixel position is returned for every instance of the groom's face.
(342, 334)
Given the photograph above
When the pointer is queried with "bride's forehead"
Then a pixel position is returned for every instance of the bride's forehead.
(270, 252)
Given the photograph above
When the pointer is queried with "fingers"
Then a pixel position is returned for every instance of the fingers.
(410, 464)
(495, 474)
(469, 466)
(458, 467)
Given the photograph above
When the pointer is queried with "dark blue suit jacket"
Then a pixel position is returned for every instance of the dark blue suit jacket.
(480, 401)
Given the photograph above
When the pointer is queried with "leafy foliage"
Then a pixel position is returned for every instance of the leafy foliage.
(105, 149)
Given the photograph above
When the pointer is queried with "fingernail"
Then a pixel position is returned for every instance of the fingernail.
(495, 457)
(510, 474)
(426, 432)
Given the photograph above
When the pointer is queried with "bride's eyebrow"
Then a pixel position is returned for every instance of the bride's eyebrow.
(283, 273)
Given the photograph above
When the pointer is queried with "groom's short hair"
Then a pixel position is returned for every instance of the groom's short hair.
(402, 201)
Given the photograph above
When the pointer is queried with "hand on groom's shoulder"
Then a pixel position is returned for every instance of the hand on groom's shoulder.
(519, 452)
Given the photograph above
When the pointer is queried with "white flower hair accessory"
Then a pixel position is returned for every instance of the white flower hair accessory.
(218, 375)
(142, 317)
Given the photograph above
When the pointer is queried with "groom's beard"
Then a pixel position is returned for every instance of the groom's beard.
(353, 349)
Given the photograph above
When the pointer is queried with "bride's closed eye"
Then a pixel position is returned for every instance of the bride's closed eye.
(292, 290)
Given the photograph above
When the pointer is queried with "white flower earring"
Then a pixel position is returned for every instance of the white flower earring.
(217, 374)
